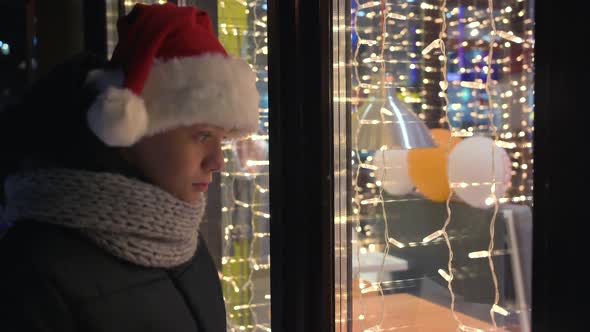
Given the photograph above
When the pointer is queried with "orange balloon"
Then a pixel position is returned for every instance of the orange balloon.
(428, 167)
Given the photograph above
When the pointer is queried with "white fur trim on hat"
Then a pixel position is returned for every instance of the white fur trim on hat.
(210, 89)
(118, 117)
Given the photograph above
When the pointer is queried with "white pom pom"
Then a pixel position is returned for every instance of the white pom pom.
(118, 117)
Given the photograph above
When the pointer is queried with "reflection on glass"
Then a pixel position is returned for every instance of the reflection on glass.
(440, 237)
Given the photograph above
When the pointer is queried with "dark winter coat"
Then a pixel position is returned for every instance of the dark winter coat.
(54, 279)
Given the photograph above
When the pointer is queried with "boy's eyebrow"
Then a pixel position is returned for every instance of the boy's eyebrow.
(207, 127)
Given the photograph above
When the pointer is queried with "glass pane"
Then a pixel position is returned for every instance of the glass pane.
(237, 225)
(244, 184)
(435, 229)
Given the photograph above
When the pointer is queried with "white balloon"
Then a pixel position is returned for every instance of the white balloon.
(396, 179)
(470, 171)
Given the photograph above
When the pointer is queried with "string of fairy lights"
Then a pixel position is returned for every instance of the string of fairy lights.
(487, 94)
(244, 184)
(377, 63)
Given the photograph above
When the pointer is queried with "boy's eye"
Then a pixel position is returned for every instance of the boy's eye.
(203, 137)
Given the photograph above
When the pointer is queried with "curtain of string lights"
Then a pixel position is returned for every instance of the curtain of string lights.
(244, 183)
(465, 66)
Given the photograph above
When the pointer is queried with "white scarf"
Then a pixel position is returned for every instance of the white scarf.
(131, 219)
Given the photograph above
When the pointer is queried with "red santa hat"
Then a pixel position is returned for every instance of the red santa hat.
(172, 72)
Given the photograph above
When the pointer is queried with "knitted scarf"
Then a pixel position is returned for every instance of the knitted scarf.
(131, 219)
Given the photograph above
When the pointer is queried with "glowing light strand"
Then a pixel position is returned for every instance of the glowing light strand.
(356, 207)
(490, 56)
(249, 178)
(447, 275)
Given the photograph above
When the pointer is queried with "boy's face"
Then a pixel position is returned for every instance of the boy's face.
(180, 161)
